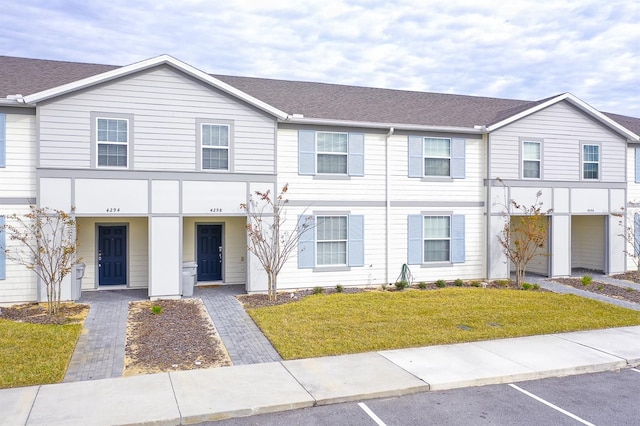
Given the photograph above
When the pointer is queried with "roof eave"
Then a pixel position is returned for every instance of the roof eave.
(378, 125)
(583, 106)
(150, 63)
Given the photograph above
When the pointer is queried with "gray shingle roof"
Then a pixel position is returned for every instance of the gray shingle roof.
(313, 100)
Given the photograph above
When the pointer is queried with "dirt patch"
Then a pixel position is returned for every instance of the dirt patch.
(36, 313)
(180, 337)
(627, 276)
(605, 289)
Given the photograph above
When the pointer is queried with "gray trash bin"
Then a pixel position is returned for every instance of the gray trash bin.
(76, 288)
(189, 270)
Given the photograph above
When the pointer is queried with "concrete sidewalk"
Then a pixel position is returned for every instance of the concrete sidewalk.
(198, 395)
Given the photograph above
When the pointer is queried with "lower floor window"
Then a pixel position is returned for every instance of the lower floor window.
(437, 238)
(112, 155)
(331, 234)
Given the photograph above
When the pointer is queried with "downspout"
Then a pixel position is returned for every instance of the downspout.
(387, 205)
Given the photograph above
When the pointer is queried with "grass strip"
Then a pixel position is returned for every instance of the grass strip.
(33, 354)
(336, 324)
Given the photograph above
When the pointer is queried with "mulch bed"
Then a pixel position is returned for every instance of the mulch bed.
(36, 313)
(605, 289)
(181, 337)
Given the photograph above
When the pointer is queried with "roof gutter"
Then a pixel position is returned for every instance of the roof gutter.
(296, 119)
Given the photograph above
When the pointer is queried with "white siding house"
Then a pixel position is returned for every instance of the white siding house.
(156, 158)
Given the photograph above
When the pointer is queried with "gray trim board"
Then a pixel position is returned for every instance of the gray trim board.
(334, 203)
(429, 204)
(153, 175)
(555, 184)
(18, 110)
(5, 201)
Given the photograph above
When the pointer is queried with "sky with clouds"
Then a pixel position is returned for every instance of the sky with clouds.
(519, 49)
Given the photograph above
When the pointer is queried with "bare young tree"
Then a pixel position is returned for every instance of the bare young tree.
(522, 239)
(47, 246)
(631, 236)
(269, 239)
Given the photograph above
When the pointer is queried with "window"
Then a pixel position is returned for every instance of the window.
(215, 147)
(113, 141)
(3, 140)
(591, 162)
(331, 240)
(437, 238)
(531, 160)
(330, 153)
(437, 157)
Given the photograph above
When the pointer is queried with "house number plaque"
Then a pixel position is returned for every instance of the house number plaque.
(113, 209)
(215, 210)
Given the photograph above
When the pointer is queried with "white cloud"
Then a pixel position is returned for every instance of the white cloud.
(523, 49)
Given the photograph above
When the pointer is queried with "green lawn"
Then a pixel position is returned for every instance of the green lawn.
(336, 324)
(33, 354)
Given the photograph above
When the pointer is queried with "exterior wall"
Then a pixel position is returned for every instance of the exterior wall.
(165, 105)
(137, 249)
(234, 245)
(562, 129)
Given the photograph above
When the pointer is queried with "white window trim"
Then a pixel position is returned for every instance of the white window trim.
(99, 142)
(583, 162)
(345, 154)
(425, 156)
(425, 239)
(345, 241)
(227, 148)
(539, 160)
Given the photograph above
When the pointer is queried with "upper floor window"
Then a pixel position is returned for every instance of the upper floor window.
(215, 147)
(531, 156)
(591, 162)
(113, 142)
(437, 157)
(332, 152)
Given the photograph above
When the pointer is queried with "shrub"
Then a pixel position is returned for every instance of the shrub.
(441, 283)
(318, 290)
(586, 280)
(156, 309)
(401, 285)
(630, 289)
(475, 283)
(527, 286)
(600, 287)
(458, 282)
(339, 288)
(535, 287)
(422, 285)
(503, 283)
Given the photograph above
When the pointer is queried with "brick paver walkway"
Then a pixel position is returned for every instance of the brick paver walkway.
(243, 339)
(99, 353)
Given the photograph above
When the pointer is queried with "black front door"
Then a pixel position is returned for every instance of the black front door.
(209, 252)
(112, 255)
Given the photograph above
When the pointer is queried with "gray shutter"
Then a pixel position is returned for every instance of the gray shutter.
(457, 238)
(306, 243)
(3, 140)
(637, 165)
(458, 153)
(636, 234)
(356, 240)
(356, 154)
(3, 256)
(306, 152)
(415, 239)
(416, 156)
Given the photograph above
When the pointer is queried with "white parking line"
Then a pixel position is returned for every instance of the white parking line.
(636, 370)
(555, 407)
(371, 414)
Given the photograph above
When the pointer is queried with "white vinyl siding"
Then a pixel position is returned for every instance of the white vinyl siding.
(3, 255)
(590, 162)
(165, 104)
(215, 147)
(112, 142)
(531, 159)
(18, 177)
(3, 140)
